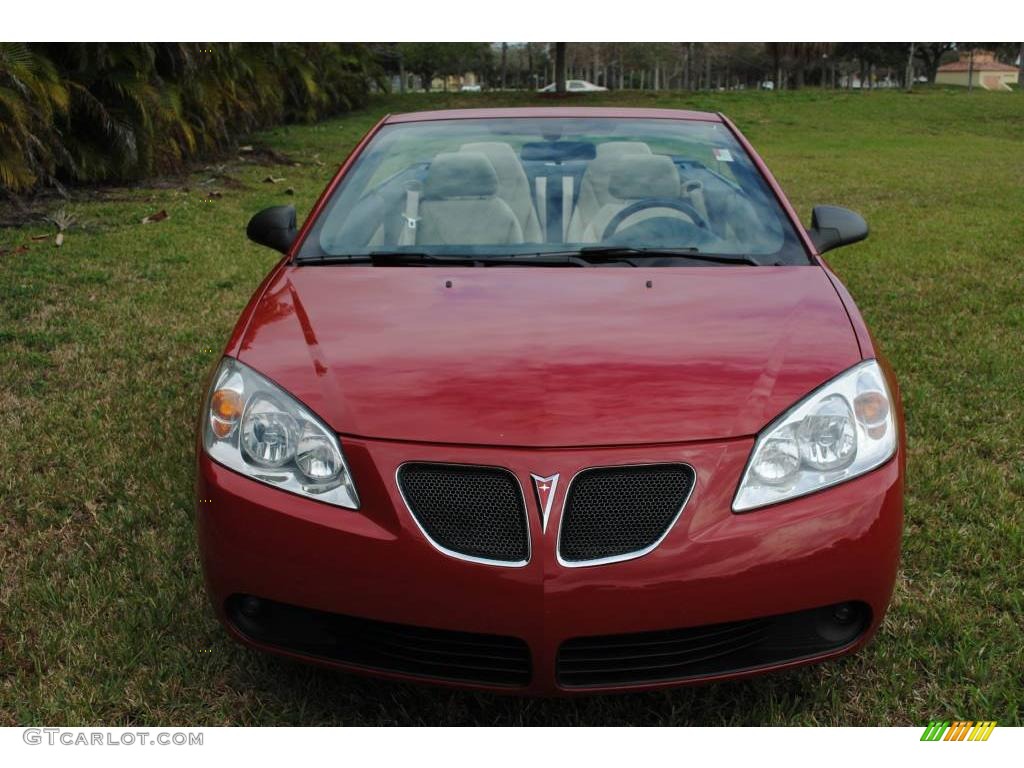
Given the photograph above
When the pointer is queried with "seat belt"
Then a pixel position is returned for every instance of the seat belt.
(410, 217)
(566, 205)
(541, 183)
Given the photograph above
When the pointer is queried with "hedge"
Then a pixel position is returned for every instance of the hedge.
(105, 112)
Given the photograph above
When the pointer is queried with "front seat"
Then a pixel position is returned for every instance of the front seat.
(632, 178)
(513, 185)
(461, 205)
(594, 192)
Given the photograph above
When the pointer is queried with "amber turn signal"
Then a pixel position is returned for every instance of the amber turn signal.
(872, 409)
(225, 410)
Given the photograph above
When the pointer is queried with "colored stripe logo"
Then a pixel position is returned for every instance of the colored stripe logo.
(958, 730)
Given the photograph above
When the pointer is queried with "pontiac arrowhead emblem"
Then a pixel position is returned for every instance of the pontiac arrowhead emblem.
(545, 488)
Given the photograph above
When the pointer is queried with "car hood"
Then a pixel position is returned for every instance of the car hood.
(546, 356)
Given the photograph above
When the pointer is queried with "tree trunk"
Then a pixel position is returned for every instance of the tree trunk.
(401, 75)
(909, 85)
(1020, 70)
(707, 70)
(970, 72)
(504, 65)
(560, 67)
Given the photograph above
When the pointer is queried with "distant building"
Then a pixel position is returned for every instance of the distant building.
(986, 72)
(454, 82)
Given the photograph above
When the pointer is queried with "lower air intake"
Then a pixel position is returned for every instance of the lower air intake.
(419, 651)
(713, 649)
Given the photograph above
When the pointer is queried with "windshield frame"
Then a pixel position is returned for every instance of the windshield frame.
(788, 216)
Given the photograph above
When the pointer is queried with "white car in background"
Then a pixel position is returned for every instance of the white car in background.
(574, 86)
(471, 88)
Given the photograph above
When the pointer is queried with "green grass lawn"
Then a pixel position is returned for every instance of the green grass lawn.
(104, 344)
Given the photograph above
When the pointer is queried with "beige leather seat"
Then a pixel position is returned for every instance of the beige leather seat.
(513, 185)
(631, 178)
(460, 204)
(594, 193)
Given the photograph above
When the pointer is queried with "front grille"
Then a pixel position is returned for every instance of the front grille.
(420, 651)
(475, 512)
(678, 654)
(618, 512)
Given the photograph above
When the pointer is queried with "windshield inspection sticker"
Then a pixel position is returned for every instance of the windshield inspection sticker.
(723, 155)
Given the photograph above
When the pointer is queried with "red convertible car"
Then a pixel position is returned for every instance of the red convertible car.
(552, 401)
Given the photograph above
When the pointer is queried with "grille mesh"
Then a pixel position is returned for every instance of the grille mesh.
(620, 510)
(475, 511)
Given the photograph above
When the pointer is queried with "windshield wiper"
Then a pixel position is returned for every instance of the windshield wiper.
(364, 258)
(568, 258)
(617, 252)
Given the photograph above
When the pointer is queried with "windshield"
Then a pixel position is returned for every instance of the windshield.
(501, 187)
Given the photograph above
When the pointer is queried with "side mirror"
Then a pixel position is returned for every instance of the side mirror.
(833, 227)
(274, 227)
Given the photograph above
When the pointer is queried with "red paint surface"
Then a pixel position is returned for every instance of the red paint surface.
(549, 357)
(548, 371)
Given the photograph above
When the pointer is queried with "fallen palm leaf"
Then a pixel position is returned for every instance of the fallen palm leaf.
(58, 241)
(155, 217)
(40, 237)
(273, 179)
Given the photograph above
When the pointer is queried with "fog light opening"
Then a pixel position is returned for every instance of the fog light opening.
(844, 613)
(251, 607)
(843, 622)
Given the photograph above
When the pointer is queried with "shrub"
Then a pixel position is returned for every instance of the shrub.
(89, 112)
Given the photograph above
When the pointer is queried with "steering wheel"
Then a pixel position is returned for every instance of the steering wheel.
(671, 203)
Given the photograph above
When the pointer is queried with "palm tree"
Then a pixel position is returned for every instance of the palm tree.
(31, 98)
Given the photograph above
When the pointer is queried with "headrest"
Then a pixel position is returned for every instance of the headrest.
(634, 177)
(616, 148)
(460, 174)
(502, 157)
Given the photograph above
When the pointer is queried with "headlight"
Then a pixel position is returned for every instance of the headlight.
(254, 427)
(836, 433)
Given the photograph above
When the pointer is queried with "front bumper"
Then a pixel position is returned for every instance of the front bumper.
(836, 546)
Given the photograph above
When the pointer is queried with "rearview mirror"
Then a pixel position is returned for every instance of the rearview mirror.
(833, 227)
(274, 227)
